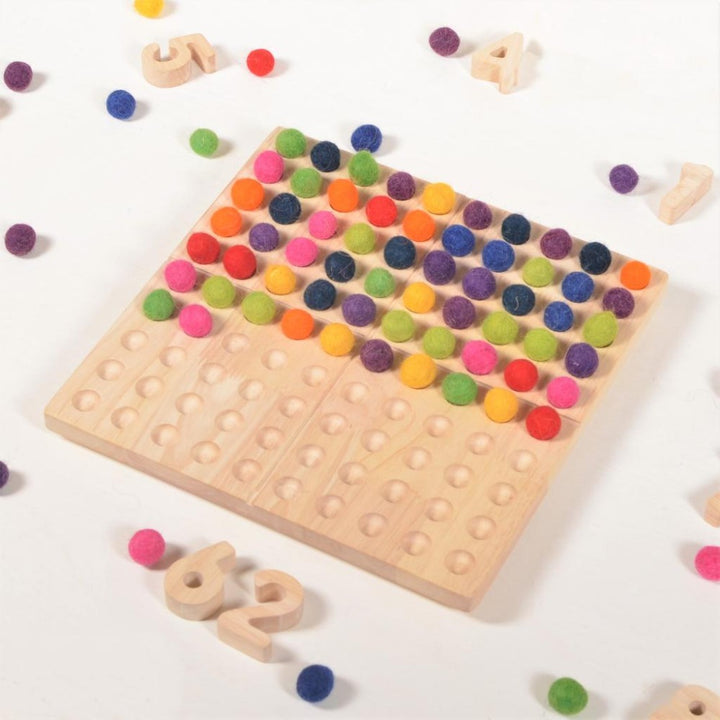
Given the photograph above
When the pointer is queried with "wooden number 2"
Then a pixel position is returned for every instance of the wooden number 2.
(177, 69)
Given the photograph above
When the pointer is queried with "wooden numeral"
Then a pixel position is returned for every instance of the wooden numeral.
(499, 62)
(177, 68)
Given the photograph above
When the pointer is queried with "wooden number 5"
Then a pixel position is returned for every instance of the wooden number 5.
(177, 69)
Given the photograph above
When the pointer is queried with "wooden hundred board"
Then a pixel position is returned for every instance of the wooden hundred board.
(398, 481)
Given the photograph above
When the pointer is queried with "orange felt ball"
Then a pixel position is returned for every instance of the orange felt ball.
(247, 193)
(418, 226)
(635, 275)
(226, 221)
(297, 324)
(342, 195)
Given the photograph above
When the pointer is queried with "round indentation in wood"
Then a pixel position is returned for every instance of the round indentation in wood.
(481, 527)
(229, 420)
(251, 389)
(458, 475)
(397, 408)
(110, 369)
(330, 505)
(212, 373)
(352, 473)
(417, 458)
(502, 493)
(372, 524)
(246, 470)
(479, 443)
(134, 340)
(314, 375)
(395, 490)
(356, 392)
(235, 343)
(416, 543)
(189, 403)
(333, 423)
(522, 460)
(269, 437)
(291, 406)
(310, 455)
(124, 416)
(172, 356)
(459, 562)
(85, 400)
(374, 440)
(164, 435)
(437, 425)
(288, 488)
(205, 452)
(149, 386)
(438, 510)
(274, 359)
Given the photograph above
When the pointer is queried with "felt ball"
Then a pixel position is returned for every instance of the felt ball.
(360, 239)
(581, 360)
(399, 253)
(203, 248)
(595, 258)
(358, 310)
(418, 226)
(635, 275)
(363, 169)
(342, 195)
(297, 324)
(438, 198)
(562, 392)
(500, 328)
(204, 142)
(439, 267)
(195, 321)
(398, 325)
(459, 313)
(379, 283)
(601, 329)
(619, 301)
(458, 240)
(280, 279)
(320, 295)
(577, 287)
(306, 182)
(540, 344)
(20, 239)
(301, 252)
(158, 305)
(376, 355)
(558, 316)
(419, 297)
(543, 423)
(707, 562)
(438, 343)
(149, 8)
(500, 405)
(538, 272)
(459, 389)
(239, 262)
(401, 186)
(516, 229)
(269, 166)
(521, 375)
(322, 225)
(477, 215)
(337, 339)
(180, 276)
(218, 292)
(444, 41)
(325, 156)
(381, 211)
(498, 256)
(247, 194)
(478, 283)
(479, 357)
(366, 137)
(120, 104)
(285, 209)
(290, 143)
(260, 62)
(567, 696)
(315, 683)
(18, 76)
(4, 474)
(226, 221)
(263, 237)
(146, 547)
(258, 308)
(418, 371)
(623, 179)
(518, 299)
(556, 244)
(340, 267)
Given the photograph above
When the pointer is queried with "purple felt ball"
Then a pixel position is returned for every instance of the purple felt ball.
(20, 239)
(401, 186)
(439, 267)
(556, 244)
(263, 237)
(444, 41)
(619, 301)
(376, 356)
(4, 474)
(477, 215)
(623, 179)
(458, 313)
(358, 310)
(581, 360)
(479, 283)
(18, 76)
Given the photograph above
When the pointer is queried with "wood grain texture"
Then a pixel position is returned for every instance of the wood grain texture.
(499, 62)
(712, 510)
(689, 703)
(177, 69)
(695, 181)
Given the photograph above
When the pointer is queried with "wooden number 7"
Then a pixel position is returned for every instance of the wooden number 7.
(177, 69)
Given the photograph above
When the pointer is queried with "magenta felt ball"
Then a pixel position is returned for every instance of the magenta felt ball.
(322, 225)
(195, 321)
(269, 166)
(146, 547)
(479, 357)
(180, 275)
(707, 562)
(301, 252)
(563, 392)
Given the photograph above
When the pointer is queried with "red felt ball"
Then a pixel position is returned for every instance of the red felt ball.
(381, 211)
(543, 423)
(260, 62)
(203, 248)
(521, 375)
(240, 262)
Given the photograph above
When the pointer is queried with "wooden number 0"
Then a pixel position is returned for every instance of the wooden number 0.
(177, 69)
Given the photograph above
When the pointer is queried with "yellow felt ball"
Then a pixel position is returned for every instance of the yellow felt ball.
(337, 339)
(418, 371)
(279, 279)
(438, 198)
(500, 405)
(149, 8)
(419, 297)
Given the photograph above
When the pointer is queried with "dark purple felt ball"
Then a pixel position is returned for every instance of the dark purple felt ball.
(479, 283)
(401, 186)
(619, 301)
(263, 237)
(556, 244)
(581, 360)
(358, 310)
(20, 239)
(623, 179)
(444, 41)
(458, 313)
(18, 76)
(439, 267)
(376, 356)
(4, 474)
(477, 215)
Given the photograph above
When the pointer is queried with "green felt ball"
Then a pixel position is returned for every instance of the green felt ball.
(360, 238)
(567, 696)
(540, 344)
(600, 330)
(363, 169)
(379, 283)
(538, 272)
(439, 343)
(398, 326)
(158, 305)
(204, 142)
(290, 143)
(258, 308)
(459, 389)
(306, 182)
(500, 328)
(218, 292)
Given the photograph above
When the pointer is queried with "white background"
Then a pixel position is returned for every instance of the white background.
(600, 587)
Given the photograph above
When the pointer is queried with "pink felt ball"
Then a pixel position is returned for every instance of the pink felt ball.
(269, 166)
(479, 357)
(322, 225)
(707, 562)
(301, 252)
(146, 547)
(562, 392)
(195, 320)
(180, 275)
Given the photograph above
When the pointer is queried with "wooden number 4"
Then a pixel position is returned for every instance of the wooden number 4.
(499, 62)
(177, 68)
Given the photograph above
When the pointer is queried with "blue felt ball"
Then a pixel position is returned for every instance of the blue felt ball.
(516, 229)
(558, 316)
(340, 266)
(498, 256)
(325, 156)
(320, 295)
(366, 137)
(285, 209)
(315, 683)
(120, 104)
(518, 299)
(595, 258)
(458, 240)
(577, 287)
(399, 252)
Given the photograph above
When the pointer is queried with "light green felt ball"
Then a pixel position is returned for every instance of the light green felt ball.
(204, 142)
(538, 272)
(306, 182)
(459, 389)
(567, 696)
(218, 292)
(379, 283)
(158, 305)
(540, 344)
(363, 169)
(500, 328)
(601, 329)
(290, 143)
(258, 308)
(439, 343)
(360, 239)
(398, 326)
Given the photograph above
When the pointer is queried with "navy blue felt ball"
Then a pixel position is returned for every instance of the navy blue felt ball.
(516, 229)
(325, 156)
(120, 104)
(558, 316)
(320, 295)
(458, 240)
(315, 683)
(577, 287)
(285, 209)
(498, 256)
(518, 299)
(340, 266)
(595, 258)
(366, 137)
(399, 252)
